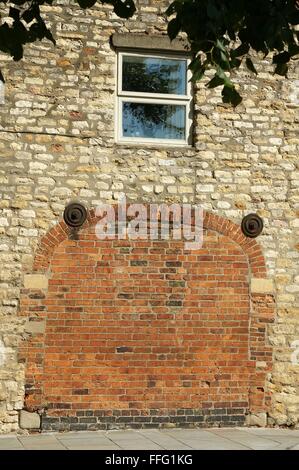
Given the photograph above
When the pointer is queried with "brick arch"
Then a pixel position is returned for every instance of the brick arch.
(177, 321)
(211, 221)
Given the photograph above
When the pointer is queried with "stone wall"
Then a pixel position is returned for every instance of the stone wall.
(57, 144)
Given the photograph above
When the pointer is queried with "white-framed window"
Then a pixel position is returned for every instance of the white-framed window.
(153, 98)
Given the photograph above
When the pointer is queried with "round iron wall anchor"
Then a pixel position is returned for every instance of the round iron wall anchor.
(75, 214)
(252, 225)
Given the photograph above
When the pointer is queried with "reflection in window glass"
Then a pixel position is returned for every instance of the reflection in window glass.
(153, 121)
(154, 75)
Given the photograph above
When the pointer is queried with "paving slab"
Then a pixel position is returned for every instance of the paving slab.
(285, 441)
(272, 431)
(45, 442)
(10, 443)
(252, 441)
(204, 440)
(139, 445)
(77, 434)
(158, 439)
(164, 440)
(132, 440)
(86, 445)
(295, 447)
(91, 442)
(177, 432)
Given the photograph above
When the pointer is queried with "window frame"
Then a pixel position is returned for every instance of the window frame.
(154, 98)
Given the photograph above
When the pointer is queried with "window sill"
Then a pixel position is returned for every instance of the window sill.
(154, 146)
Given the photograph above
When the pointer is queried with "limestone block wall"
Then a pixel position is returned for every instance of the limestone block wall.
(57, 143)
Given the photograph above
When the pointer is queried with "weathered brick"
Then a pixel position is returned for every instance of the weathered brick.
(57, 139)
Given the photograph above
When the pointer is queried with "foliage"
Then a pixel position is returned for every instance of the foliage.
(222, 33)
(25, 23)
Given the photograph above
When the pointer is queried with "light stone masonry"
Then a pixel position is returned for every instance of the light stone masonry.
(57, 144)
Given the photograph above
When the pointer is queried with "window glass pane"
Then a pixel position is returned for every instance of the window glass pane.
(154, 75)
(153, 121)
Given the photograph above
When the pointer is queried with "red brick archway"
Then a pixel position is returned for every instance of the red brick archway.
(144, 332)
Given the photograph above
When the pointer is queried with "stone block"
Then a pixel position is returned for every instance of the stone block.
(35, 327)
(35, 281)
(257, 419)
(261, 286)
(29, 420)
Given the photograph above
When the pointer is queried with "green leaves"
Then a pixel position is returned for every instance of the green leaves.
(27, 25)
(250, 66)
(241, 50)
(123, 8)
(16, 34)
(281, 69)
(173, 28)
(281, 60)
(222, 33)
(220, 78)
(212, 11)
(231, 96)
(216, 81)
(86, 3)
(14, 13)
(198, 69)
(31, 13)
(214, 27)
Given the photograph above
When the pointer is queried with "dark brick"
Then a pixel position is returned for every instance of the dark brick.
(88, 419)
(124, 419)
(178, 419)
(177, 283)
(138, 263)
(142, 419)
(174, 303)
(124, 295)
(80, 391)
(123, 349)
(63, 406)
(39, 295)
(69, 419)
(218, 411)
(46, 419)
(78, 427)
(160, 419)
(194, 419)
(107, 419)
(149, 425)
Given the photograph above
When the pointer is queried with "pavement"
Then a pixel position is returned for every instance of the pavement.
(158, 439)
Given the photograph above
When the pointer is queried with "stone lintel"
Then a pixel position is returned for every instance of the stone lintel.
(145, 41)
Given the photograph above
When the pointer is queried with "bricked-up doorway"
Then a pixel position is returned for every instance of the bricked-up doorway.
(143, 332)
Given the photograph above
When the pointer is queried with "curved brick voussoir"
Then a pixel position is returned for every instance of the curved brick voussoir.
(211, 221)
